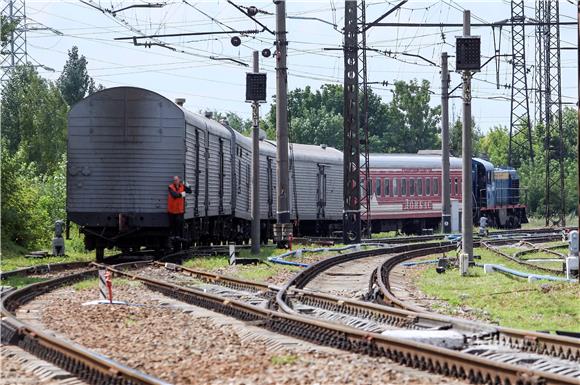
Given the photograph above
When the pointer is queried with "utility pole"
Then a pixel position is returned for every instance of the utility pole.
(256, 166)
(467, 225)
(283, 227)
(445, 186)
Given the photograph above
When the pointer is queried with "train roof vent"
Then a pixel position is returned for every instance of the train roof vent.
(323, 146)
(180, 101)
(208, 114)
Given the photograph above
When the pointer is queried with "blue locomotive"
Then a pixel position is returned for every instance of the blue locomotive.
(497, 195)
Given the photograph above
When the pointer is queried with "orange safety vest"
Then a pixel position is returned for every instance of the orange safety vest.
(176, 205)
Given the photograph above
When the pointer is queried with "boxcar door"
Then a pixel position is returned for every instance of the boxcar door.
(206, 191)
(321, 192)
(221, 176)
(270, 188)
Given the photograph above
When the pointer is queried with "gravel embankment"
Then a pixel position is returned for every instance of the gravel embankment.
(200, 347)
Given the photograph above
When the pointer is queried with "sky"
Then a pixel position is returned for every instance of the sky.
(188, 72)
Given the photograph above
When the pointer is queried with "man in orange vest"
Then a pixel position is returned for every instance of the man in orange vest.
(176, 206)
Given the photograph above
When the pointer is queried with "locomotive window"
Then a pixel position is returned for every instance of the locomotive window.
(378, 187)
(386, 188)
(435, 186)
(420, 186)
(412, 186)
(403, 187)
(427, 186)
(456, 187)
(395, 191)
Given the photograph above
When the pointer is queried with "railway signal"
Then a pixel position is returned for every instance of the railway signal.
(467, 60)
(256, 93)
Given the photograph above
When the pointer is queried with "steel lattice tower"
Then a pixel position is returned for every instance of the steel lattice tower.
(539, 64)
(15, 53)
(364, 123)
(547, 13)
(520, 143)
(351, 217)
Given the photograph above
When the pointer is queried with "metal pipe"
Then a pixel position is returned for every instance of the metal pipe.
(467, 223)
(445, 186)
(256, 167)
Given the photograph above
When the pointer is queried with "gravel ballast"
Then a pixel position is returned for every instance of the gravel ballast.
(190, 345)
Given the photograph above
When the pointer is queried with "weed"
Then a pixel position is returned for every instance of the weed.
(286, 359)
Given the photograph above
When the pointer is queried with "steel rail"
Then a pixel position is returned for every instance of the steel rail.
(522, 262)
(86, 365)
(419, 355)
(542, 343)
(367, 310)
(218, 279)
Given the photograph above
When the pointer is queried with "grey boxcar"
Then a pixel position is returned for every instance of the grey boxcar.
(125, 144)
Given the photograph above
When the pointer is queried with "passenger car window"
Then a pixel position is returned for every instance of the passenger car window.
(395, 187)
(420, 186)
(427, 186)
(435, 186)
(403, 187)
(387, 190)
(412, 186)
(378, 187)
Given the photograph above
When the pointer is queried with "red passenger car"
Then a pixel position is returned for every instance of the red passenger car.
(406, 191)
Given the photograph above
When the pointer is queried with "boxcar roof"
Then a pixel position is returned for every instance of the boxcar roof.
(402, 161)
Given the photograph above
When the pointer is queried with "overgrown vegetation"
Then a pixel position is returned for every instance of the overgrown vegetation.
(33, 149)
(503, 299)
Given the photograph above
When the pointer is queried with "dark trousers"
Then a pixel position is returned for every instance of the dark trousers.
(176, 225)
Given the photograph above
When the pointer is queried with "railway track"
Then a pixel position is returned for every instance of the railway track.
(517, 257)
(94, 368)
(86, 365)
(480, 368)
(501, 345)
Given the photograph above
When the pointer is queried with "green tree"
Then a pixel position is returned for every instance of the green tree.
(456, 135)
(34, 118)
(6, 29)
(412, 124)
(74, 82)
(406, 124)
(494, 145)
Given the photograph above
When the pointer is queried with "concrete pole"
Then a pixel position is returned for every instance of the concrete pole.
(256, 167)
(283, 182)
(467, 225)
(445, 187)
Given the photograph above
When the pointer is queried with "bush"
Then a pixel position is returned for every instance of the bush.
(30, 203)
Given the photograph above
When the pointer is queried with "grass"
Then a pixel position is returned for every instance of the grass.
(20, 281)
(93, 283)
(503, 299)
(534, 222)
(286, 359)
(13, 256)
(257, 273)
